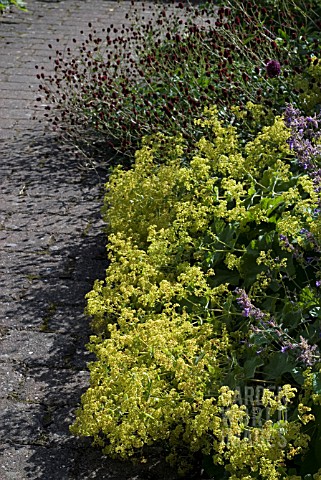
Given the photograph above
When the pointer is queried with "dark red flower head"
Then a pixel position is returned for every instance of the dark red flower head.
(273, 68)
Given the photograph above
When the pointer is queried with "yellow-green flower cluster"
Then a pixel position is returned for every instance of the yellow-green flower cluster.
(308, 85)
(163, 350)
(149, 378)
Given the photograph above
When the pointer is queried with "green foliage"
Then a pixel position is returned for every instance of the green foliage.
(308, 83)
(8, 3)
(209, 291)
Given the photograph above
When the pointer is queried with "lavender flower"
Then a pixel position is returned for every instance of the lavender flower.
(286, 346)
(313, 121)
(273, 68)
(248, 309)
(313, 242)
(309, 353)
(304, 142)
(285, 242)
(304, 132)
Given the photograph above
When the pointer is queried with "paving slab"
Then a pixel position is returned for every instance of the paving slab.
(52, 248)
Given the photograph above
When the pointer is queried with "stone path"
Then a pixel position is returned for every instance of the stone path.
(52, 247)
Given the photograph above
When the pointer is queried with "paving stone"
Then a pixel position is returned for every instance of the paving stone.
(66, 463)
(63, 323)
(21, 423)
(17, 315)
(53, 387)
(16, 86)
(15, 113)
(15, 460)
(52, 248)
(35, 349)
(10, 380)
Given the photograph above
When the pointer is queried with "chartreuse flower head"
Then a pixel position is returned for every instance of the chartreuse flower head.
(211, 290)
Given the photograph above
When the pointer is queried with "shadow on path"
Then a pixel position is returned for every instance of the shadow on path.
(52, 248)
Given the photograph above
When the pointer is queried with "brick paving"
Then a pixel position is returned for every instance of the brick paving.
(52, 247)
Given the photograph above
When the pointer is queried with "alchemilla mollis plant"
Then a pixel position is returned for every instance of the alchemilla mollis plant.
(208, 322)
(207, 328)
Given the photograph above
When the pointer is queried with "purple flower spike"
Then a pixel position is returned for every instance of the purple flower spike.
(305, 142)
(273, 68)
(248, 309)
(285, 348)
(309, 353)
